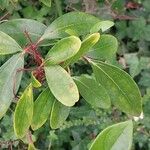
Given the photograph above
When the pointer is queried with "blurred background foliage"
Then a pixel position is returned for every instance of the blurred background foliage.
(132, 29)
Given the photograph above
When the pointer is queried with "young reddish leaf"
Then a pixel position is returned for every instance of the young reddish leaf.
(23, 113)
(61, 85)
(58, 115)
(42, 108)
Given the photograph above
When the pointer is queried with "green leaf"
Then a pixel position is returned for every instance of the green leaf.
(8, 45)
(23, 113)
(46, 2)
(63, 50)
(78, 22)
(102, 25)
(105, 48)
(58, 115)
(9, 81)
(121, 88)
(88, 43)
(115, 137)
(61, 85)
(31, 147)
(92, 91)
(16, 29)
(35, 82)
(42, 108)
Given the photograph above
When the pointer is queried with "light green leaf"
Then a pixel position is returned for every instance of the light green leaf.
(9, 81)
(58, 115)
(35, 82)
(63, 50)
(23, 113)
(115, 137)
(61, 85)
(92, 91)
(16, 29)
(78, 22)
(121, 88)
(105, 48)
(8, 45)
(31, 147)
(102, 25)
(42, 108)
(46, 2)
(88, 43)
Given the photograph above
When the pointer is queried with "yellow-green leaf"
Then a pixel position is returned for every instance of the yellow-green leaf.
(42, 108)
(87, 43)
(35, 82)
(58, 115)
(61, 85)
(31, 147)
(63, 50)
(23, 113)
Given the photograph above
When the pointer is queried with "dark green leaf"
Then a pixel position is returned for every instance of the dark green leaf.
(8, 45)
(63, 50)
(62, 85)
(122, 89)
(16, 29)
(42, 108)
(115, 137)
(9, 81)
(105, 48)
(58, 115)
(92, 92)
(23, 113)
(78, 22)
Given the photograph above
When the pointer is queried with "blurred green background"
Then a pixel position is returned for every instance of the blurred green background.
(132, 29)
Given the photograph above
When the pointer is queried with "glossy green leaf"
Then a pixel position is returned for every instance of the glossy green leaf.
(42, 108)
(88, 43)
(58, 115)
(105, 48)
(102, 25)
(115, 137)
(16, 29)
(35, 82)
(122, 89)
(63, 50)
(92, 92)
(9, 81)
(8, 45)
(23, 113)
(61, 85)
(78, 22)
(46, 2)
